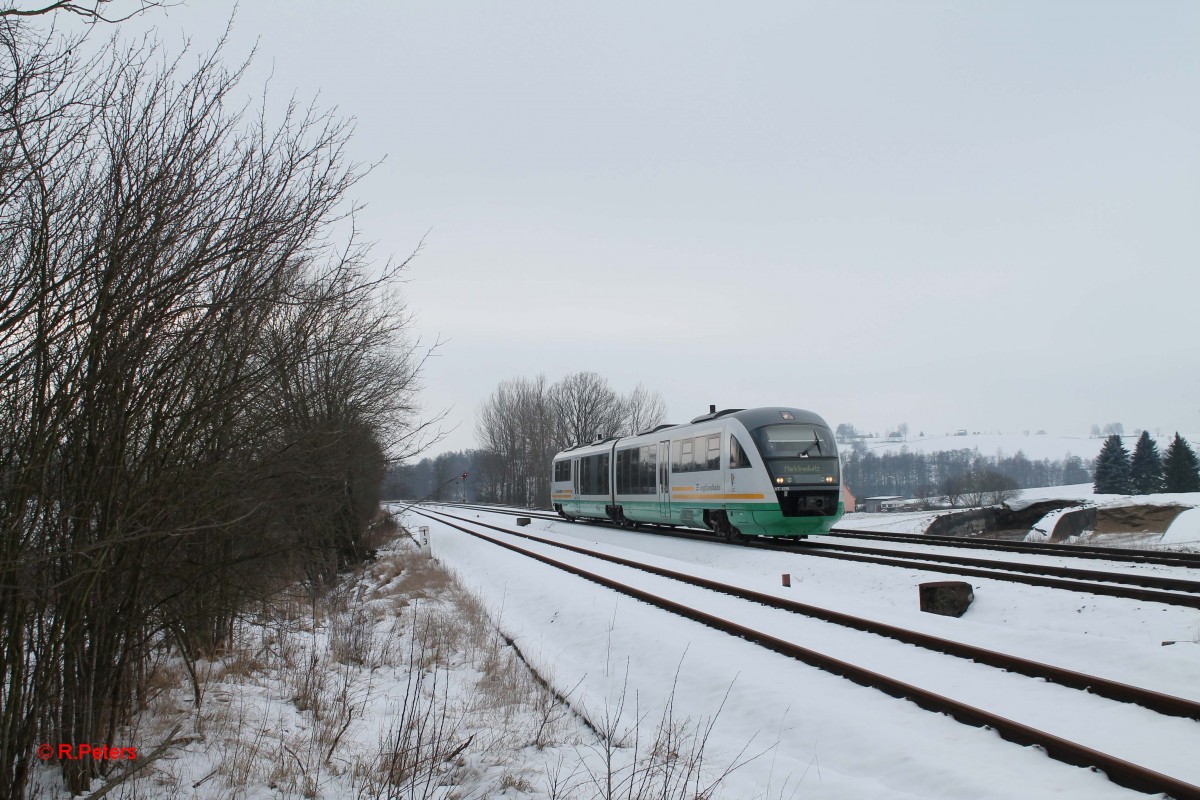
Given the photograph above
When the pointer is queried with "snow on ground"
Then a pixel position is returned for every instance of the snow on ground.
(817, 736)
(1184, 532)
(315, 701)
(396, 686)
(1078, 491)
(1083, 492)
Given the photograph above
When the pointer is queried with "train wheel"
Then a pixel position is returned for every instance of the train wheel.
(724, 528)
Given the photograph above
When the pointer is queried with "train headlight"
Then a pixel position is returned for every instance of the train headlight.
(829, 479)
(779, 480)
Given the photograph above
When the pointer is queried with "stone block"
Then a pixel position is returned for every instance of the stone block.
(949, 598)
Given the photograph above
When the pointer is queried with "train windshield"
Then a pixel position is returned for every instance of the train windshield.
(794, 441)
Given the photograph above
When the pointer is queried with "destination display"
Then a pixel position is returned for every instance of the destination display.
(803, 470)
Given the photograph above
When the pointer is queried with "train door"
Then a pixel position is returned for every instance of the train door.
(664, 479)
(575, 482)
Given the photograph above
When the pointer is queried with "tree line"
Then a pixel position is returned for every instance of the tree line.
(1146, 472)
(439, 478)
(962, 475)
(201, 384)
(526, 421)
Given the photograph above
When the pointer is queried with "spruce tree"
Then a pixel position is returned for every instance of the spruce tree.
(1146, 466)
(1113, 474)
(1181, 473)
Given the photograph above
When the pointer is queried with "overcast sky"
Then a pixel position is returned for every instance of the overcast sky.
(955, 215)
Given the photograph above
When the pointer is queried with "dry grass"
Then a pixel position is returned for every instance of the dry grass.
(397, 684)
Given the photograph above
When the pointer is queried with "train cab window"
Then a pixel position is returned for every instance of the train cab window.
(794, 441)
(737, 454)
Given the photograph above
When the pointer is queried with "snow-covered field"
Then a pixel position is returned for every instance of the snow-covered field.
(420, 678)
(1036, 447)
(823, 737)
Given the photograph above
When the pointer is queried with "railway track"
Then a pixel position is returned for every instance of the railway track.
(1120, 771)
(1080, 551)
(1188, 560)
(1131, 586)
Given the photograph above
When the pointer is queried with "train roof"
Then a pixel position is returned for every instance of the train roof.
(750, 417)
(757, 417)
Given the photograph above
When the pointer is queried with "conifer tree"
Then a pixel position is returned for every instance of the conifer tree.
(1113, 473)
(1146, 466)
(1181, 473)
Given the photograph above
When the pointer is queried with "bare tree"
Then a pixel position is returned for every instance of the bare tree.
(524, 423)
(588, 408)
(199, 392)
(986, 486)
(94, 11)
(519, 425)
(953, 487)
(644, 410)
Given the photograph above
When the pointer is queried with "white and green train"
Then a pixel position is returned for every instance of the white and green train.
(738, 472)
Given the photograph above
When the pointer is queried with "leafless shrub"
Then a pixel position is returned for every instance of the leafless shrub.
(674, 765)
(241, 742)
(199, 390)
(468, 716)
(561, 784)
(420, 747)
(352, 631)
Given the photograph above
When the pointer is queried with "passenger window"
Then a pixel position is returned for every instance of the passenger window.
(649, 464)
(737, 455)
(714, 451)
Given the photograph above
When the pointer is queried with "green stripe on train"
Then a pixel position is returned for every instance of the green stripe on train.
(755, 519)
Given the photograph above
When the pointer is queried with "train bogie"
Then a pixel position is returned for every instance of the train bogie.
(759, 472)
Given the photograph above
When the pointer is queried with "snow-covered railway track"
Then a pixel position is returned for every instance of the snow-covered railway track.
(1121, 771)
(1115, 554)
(1171, 590)
(1179, 591)
(1067, 551)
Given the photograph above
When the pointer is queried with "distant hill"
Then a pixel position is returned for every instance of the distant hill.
(1036, 447)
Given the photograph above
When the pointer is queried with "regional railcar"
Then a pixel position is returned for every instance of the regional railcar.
(736, 473)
